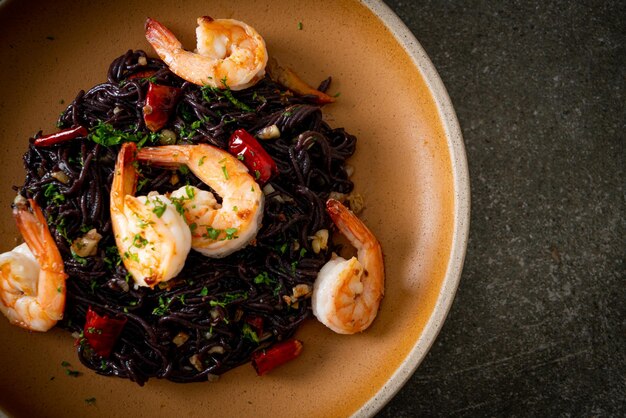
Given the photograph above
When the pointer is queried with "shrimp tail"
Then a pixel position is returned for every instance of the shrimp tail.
(34, 229)
(161, 38)
(369, 250)
(125, 182)
(350, 225)
(170, 156)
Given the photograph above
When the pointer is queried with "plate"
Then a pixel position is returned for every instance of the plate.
(410, 166)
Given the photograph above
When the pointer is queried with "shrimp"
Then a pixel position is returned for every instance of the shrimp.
(151, 236)
(217, 230)
(32, 276)
(230, 53)
(347, 293)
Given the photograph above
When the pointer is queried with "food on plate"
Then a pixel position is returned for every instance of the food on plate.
(152, 237)
(229, 53)
(237, 217)
(189, 202)
(32, 279)
(347, 293)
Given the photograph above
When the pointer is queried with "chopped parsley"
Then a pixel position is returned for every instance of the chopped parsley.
(132, 256)
(159, 207)
(81, 260)
(164, 305)
(53, 195)
(299, 25)
(190, 192)
(201, 160)
(229, 298)
(178, 204)
(112, 258)
(139, 241)
(229, 95)
(90, 401)
(142, 183)
(204, 291)
(225, 172)
(105, 134)
(68, 371)
(230, 233)
(249, 333)
(218, 94)
(212, 233)
(263, 278)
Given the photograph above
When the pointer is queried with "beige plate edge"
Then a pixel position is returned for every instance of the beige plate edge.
(456, 147)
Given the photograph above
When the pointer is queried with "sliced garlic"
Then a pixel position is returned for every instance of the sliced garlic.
(87, 245)
(356, 202)
(269, 132)
(61, 176)
(319, 241)
(180, 338)
(196, 362)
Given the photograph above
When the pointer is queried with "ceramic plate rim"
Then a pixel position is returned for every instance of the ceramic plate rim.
(460, 172)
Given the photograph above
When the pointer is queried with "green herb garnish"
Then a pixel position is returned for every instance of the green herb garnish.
(53, 195)
(105, 134)
(230, 233)
(249, 333)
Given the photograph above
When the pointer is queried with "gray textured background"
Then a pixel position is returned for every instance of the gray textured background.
(538, 327)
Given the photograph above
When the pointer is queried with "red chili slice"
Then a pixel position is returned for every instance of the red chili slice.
(265, 360)
(256, 322)
(160, 104)
(142, 74)
(61, 136)
(248, 149)
(101, 332)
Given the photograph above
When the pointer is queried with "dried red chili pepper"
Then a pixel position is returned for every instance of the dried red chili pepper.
(142, 74)
(256, 322)
(101, 332)
(248, 149)
(61, 136)
(265, 360)
(160, 104)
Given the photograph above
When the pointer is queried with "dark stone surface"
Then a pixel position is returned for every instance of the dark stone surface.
(538, 327)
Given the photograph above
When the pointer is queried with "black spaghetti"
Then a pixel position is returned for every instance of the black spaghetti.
(217, 312)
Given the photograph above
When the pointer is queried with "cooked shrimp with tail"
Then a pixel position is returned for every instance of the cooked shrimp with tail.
(217, 229)
(230, 53)
(151, 236)
(347, 293)
(32, 276)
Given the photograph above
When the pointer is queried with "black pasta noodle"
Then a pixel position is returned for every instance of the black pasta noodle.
(212, 300)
